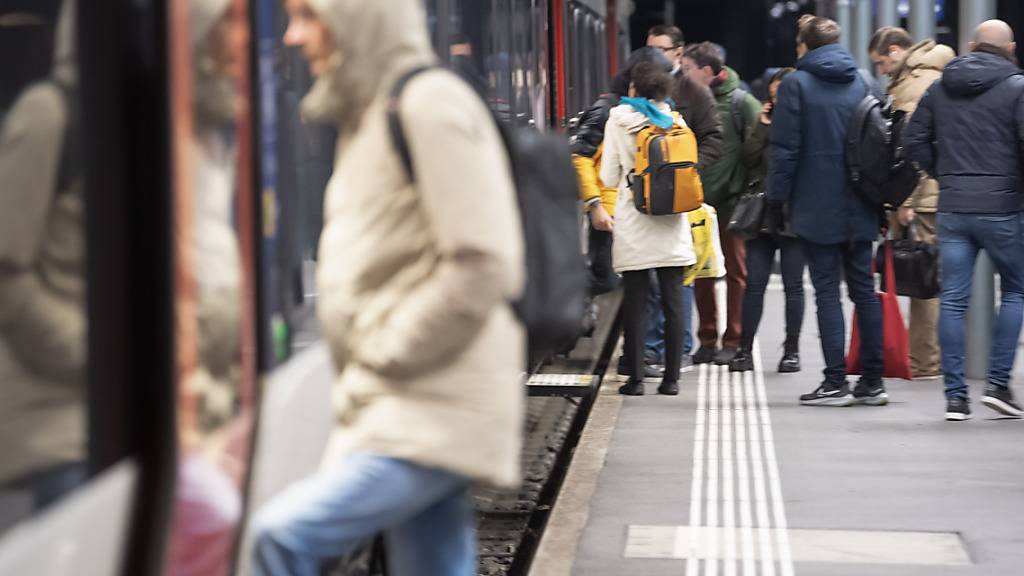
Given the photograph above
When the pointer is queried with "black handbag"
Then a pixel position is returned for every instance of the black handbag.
(917, 266)
(747, 220)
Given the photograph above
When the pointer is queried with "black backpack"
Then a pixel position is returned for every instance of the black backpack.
(552, 305)
(875, 162)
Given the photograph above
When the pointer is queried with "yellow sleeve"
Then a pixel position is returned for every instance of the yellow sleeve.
(590, 183)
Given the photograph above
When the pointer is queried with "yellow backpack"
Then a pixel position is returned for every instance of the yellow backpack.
(665, 179)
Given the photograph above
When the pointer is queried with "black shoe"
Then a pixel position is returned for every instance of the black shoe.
(743, 362)
(829, 394)
(705, 355)
(870, 393)
(669, 388)
(790, 363)
(685, 363)
(650, 372)
(1000, 399)
(632, 389)
(725, 355)
(958, 409)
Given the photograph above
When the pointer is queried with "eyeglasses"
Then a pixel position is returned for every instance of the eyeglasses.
(666, 50)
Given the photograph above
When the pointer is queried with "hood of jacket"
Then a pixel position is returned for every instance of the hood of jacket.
(925, 55)
(375, 43)
(727, 86)
(831, 63)
(976, 73)
(632, 120)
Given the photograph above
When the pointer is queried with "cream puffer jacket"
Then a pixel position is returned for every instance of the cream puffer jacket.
(921, 67)
(640, 241)
(414, 281)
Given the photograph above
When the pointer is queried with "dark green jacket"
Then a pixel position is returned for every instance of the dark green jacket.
(725, 180)
(755, 157)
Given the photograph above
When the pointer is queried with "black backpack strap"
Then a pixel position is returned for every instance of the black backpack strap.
(70, 163)
(395, 120)
(853, 135)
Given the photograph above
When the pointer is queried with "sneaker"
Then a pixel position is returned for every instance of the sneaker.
(790, 363)
(705, 355)
(669, 389)
(829, 394)
(725, 355)
(958, 409)
(650, 372)
(929, 375)
(632, 389)
(870, 393)
(685, 363)
(1000, 399)
(743, 362)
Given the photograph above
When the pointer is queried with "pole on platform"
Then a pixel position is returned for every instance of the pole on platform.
(981, 314)
(862, 32)
(971, 14)
(888, 13)
(844, 17)
(922, 19)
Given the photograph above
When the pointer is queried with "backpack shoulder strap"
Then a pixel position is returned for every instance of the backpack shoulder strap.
(854, 132)
(395, 120)
(70, 165)
(738, 105)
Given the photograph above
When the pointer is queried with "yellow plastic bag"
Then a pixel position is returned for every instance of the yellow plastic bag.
(706, 244)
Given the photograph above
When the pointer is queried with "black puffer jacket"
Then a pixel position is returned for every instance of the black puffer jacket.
(968, 132)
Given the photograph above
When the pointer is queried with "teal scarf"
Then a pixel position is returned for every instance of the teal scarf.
(649, 109)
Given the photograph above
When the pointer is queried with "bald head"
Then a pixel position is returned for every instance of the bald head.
(994, 32)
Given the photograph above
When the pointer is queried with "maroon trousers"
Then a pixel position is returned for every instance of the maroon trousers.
(735, 251)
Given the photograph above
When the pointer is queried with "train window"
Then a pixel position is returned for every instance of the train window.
(578, 50)
(43, 319)
(539, 89)
(214, 250)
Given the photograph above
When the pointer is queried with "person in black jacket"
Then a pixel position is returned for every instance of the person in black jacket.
(968, 133)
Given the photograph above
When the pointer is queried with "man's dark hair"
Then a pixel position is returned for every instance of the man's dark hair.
(672, 32)
(889, 36)
(705, 54)
(817, 31)
(459, 38)
(651, 82)
(648, 54)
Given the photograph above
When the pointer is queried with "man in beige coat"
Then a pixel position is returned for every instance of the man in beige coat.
(414, 283)
(912, 69)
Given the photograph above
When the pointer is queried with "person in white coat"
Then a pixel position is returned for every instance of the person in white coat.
(642, 242)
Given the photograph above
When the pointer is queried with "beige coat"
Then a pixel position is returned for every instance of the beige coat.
(42, 281)
(641, 242)
(921, 67)
(414, 281)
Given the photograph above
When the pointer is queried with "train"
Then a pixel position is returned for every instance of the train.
(196, 191)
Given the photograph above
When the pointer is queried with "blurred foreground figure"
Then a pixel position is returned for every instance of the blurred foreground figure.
(415, 282)
(42, 284)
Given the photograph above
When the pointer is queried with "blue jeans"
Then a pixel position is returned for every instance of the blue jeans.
(960, 238)
(654, 343)
(828, 264)
(426, 515)
(760, 257)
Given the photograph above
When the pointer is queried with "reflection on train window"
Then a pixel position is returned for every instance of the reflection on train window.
(43, 346)
(214, 265)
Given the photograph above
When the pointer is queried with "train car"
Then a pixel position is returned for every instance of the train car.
(186, 195)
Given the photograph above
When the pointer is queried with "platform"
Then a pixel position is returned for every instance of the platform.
(735, 477)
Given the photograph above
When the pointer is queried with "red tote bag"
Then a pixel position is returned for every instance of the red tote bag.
(896, 340)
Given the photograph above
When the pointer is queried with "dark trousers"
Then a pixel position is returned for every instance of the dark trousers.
(734, 250)
(828, 264)
(634, 309)
(602, 277)
(760, 257)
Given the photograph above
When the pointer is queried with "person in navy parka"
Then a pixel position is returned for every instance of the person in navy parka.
(837, 227)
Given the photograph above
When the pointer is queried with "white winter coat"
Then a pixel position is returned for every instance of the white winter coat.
(641, 241)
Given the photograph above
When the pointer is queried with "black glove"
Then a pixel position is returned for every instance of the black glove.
(774, 219)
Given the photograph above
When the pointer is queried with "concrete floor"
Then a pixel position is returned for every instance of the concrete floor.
(880, 472)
